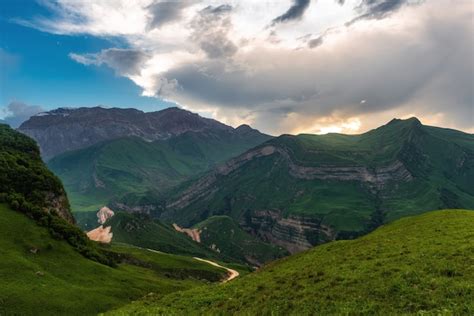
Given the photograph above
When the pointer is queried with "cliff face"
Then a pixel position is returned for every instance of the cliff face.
(63, 130)
(294, 233)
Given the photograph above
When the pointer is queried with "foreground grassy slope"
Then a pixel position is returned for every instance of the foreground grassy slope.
(224, 235)
(416, 265)
(41, 275)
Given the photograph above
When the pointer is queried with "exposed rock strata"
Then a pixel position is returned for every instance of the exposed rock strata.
(376, 177)
(294, 233)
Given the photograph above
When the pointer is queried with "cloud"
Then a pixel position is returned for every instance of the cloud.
(295, 12)
(126, 62)
(211, 27)
(390, 65)
(18, 112)
(379, 9)
(220, 58)
(315, 42)
(162, 12)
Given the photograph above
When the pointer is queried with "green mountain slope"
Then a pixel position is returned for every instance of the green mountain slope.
(416, 265)
(42, 275)
(141, 231)
(49, 266)
(134, 172)
(298, 191)
(224, 235)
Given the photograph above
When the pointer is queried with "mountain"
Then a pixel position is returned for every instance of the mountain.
(49, 266)
(416, 265)
(67, 129)
(130, 157)
(299, 191)
(132, 171)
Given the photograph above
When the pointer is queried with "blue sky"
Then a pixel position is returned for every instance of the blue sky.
(36, 69)
(282, 66)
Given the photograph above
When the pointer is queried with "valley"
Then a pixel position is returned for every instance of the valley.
(254, 158)
(264, 216)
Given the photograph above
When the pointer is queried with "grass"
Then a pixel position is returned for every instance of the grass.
(422, 265)
(226, 236)
(44, 276)
(141, 231)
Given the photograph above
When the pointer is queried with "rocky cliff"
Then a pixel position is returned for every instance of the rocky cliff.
(65, 129)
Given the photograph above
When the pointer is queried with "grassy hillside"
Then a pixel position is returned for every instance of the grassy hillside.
(41, 275)
(144, 232)
(416, 265)
(224, 235)
(136, 172)
(335, 186)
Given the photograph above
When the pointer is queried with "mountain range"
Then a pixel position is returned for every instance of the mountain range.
(298, 191)
(277, 196)
(125, 156)
(291, 191)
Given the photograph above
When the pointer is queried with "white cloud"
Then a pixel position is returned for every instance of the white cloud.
(309, 74)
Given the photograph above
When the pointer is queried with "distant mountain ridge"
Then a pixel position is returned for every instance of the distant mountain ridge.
(298, 191)
(67, 129)
(127, 156)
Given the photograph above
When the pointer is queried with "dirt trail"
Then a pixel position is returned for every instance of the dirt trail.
(232, 274)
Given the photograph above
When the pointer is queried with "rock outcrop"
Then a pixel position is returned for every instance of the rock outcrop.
(104, 214)
(294, 233)
(195, 234)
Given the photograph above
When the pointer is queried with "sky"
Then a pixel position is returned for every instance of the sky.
(282, 66)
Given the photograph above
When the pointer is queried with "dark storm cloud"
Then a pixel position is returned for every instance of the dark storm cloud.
(18, 112)
(123, 61)
(315, 42)
(162, 12)
(386, 70)
(210, 31)
(378, 9)
(295, 12)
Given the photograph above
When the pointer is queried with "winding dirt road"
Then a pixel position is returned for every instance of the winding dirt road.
(232, 274)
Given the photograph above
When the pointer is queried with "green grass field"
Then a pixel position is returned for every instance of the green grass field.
(422, 265)
(40, 275)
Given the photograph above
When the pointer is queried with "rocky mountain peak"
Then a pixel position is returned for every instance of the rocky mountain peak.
(66, 129)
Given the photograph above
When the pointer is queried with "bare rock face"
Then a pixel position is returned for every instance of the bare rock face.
(60, 205)
(101, 234)
(63, 129)
(104, 214)
(294, 233)
(195, 234)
